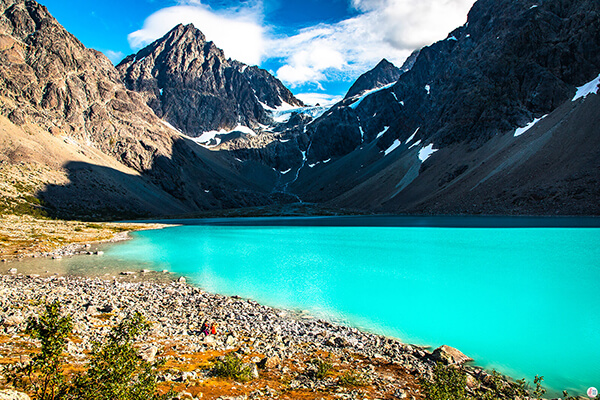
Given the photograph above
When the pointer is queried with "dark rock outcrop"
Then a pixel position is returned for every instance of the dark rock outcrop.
(191, 84)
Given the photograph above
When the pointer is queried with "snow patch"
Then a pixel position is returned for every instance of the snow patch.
(380, 134)
(452, 38)
(358, 100)
(238, 160)
(412, 136)
(285, 172)
(312, 165)
(208, 136)
(588, 88)
(168, 125)
(393, 147)
(161, 91)
(520, 131)
(428, 89)
(418, 142)
(326, 161)
(284, 140)
(426, 152)
(534, 6)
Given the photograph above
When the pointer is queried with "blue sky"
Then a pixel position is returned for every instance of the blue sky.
(316, 47)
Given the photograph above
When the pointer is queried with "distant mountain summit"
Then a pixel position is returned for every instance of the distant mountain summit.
(190, 83)
(383, 74)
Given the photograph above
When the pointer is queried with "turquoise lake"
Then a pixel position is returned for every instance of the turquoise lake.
(523, 301)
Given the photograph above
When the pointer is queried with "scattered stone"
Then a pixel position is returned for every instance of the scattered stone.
(12, 271)
(149, 353)
(181, 279)
(13, 320)
(127, 273)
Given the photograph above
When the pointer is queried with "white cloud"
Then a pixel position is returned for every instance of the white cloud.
(389, 29)
(338, 51)
(114, 56)
(323, 99)
(239, 32)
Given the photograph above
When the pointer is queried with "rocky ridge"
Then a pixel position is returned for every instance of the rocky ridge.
(190, 83)
(66, 109)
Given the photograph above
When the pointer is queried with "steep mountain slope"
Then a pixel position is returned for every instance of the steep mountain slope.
(399, 147)
(50, 84)
(188, 82)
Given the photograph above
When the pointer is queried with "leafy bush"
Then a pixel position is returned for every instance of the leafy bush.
(448, 383)
(354, 379)
(322, 368)
(502, 388)
(233, 368)
(116, 370)
(43, 375)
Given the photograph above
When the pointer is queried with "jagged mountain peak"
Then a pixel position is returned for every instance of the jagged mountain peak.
(382, 74)
(191, 84)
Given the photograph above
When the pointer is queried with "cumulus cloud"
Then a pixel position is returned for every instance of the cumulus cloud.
(239, 32)
(317, 54)
(389, 29)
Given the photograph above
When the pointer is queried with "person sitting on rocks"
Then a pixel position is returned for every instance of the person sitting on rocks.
(213, 328)
(205, 328)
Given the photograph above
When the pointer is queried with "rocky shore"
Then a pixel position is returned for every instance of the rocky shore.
(280, 346)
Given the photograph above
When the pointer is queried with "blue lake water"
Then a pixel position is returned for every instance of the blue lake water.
(523, 301)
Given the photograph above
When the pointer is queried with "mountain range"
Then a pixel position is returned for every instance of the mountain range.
(501, 117)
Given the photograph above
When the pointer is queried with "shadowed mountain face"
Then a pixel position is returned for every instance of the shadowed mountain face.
(188, 82)
(383, 74)
(50, 84)
(456, 110)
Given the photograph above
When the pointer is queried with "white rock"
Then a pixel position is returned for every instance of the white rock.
(9, 394)
(12, 271)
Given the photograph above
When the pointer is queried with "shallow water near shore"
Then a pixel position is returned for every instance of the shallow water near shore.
(521, 300)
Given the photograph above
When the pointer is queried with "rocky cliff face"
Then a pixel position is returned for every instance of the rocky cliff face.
(513, 62)
(49, 82)
(188, 82)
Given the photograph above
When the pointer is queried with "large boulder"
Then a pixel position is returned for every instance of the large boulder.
(9, 394)
(450, 355)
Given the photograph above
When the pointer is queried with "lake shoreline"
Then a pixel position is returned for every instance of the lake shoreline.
(282, 339)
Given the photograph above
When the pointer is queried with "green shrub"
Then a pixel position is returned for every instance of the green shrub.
(448, 383)
(233, 368)
(354, 379)
(322, 367)
(116, 371)
(43, 375)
